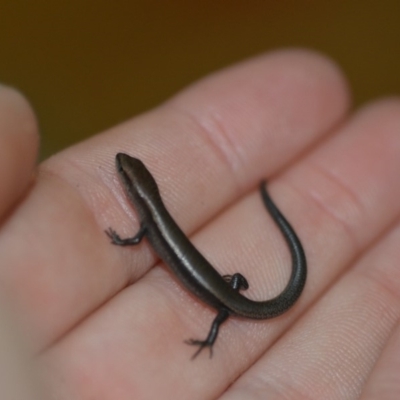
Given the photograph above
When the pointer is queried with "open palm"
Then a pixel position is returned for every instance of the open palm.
(109, 322)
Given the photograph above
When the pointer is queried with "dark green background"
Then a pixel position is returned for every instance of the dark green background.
(88, 65)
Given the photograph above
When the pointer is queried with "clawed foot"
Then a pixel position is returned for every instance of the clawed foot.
(202, 344)
(115, 238)
(236, 281)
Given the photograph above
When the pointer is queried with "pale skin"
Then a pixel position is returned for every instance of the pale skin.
(104, 322)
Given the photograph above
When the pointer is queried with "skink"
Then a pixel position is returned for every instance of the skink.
(190, 266)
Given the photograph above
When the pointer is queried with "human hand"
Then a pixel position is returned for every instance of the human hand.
(109, 322)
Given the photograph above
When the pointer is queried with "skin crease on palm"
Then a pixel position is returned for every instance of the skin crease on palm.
(99, 321)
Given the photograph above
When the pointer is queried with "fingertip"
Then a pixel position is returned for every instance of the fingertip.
(20, 116)
(314, 66)
(19, 141)
(280, 102)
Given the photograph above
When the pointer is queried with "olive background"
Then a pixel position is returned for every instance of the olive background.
(87, 65)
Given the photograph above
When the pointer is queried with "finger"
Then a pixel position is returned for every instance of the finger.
(18, 147)
(59, 233)
(331, 351)
(18, 378)
(143, 327)
(383, 382)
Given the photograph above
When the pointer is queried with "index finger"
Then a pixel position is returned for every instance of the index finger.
(205, 147)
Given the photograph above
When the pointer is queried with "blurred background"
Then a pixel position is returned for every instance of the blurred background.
(87, 65)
